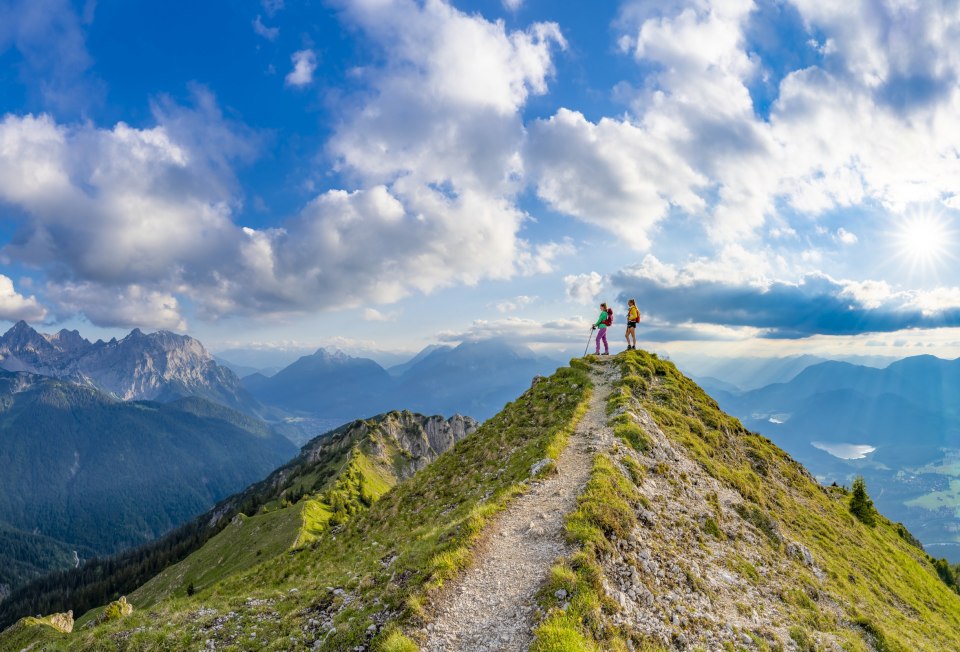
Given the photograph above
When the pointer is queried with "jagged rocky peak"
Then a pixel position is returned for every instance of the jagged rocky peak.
(140, 366)
(68, 341)
(22, 337)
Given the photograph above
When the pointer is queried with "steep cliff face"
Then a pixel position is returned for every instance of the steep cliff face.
(156, 366)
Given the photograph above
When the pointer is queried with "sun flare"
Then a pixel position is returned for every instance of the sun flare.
(924, 240)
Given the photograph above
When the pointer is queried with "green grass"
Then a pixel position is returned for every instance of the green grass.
(605, 510)
(889, 593)
(381, 564)
(874, 574)
(244, 543)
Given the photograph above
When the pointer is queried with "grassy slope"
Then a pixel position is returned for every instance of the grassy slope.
(380, 567)
(249, 541)
(31, 633)
(888, 591)
(245, 542)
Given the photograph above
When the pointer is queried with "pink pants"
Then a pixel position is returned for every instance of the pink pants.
(602, 335)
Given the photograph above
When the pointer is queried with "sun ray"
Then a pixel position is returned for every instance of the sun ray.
(924, 242)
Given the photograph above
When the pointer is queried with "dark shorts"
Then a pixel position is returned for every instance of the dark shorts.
(631, 324)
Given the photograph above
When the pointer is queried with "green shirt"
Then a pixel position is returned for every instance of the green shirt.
(603, 318)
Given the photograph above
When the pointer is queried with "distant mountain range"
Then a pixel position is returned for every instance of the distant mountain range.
(898, 426)
(475, 378)
(159, 366)
(142, 433)
(749, 373)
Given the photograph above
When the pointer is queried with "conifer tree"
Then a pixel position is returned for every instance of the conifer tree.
(861, 505)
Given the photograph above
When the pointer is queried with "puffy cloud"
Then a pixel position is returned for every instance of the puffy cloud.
(609, 174)
(128, 306)
(516, 329)
(845, 237)
(14, 306)
(304, 65)
(814, 304)
(121, 205)
(729, 129)
(433, 151)
(584, 288)
(372, 314)
(272, 7)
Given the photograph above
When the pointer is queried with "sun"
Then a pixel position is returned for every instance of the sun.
(924, 240)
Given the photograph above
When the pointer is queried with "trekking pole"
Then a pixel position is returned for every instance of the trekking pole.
(589, 337)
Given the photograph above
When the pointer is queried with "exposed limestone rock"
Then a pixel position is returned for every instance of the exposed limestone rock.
(62, 622)
(422, 439)
(159, 365)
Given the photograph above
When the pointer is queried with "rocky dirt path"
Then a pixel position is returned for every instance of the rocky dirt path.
(491, 607)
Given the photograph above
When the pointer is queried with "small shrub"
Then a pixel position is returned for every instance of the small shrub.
(803, 640)
(396, 642)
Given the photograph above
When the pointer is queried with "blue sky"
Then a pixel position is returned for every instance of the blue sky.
(764, 177)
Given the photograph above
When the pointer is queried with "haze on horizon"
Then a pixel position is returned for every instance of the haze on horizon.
(765, 178)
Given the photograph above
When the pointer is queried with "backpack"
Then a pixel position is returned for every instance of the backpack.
(609, 320)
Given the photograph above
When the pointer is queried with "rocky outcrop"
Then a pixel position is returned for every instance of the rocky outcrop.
(115, 610)
(62, 622)
(422, 438)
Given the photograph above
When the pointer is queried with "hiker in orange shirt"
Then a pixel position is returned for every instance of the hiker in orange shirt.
(633, 316)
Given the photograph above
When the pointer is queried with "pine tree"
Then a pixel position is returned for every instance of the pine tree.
(861, 505)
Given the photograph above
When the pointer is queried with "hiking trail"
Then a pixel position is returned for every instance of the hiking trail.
(491, 605)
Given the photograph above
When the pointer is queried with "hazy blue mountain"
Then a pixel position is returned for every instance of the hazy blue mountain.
(748, 373)
(261, 359)
(400, 369)
(474, 378)
(330, 385)
(99, 474)
(712, 385)
(243, 371)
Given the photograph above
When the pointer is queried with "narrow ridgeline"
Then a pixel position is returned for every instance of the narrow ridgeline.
(682, 531)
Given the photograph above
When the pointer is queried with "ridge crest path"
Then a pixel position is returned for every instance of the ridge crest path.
(491, 605)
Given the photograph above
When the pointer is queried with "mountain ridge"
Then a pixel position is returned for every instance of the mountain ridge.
(155, 366)
(690, 533)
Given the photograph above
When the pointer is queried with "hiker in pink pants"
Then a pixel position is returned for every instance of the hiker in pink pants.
(606, 318)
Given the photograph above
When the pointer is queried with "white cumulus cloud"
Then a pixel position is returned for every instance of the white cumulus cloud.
(15, 306)
(304, 65)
